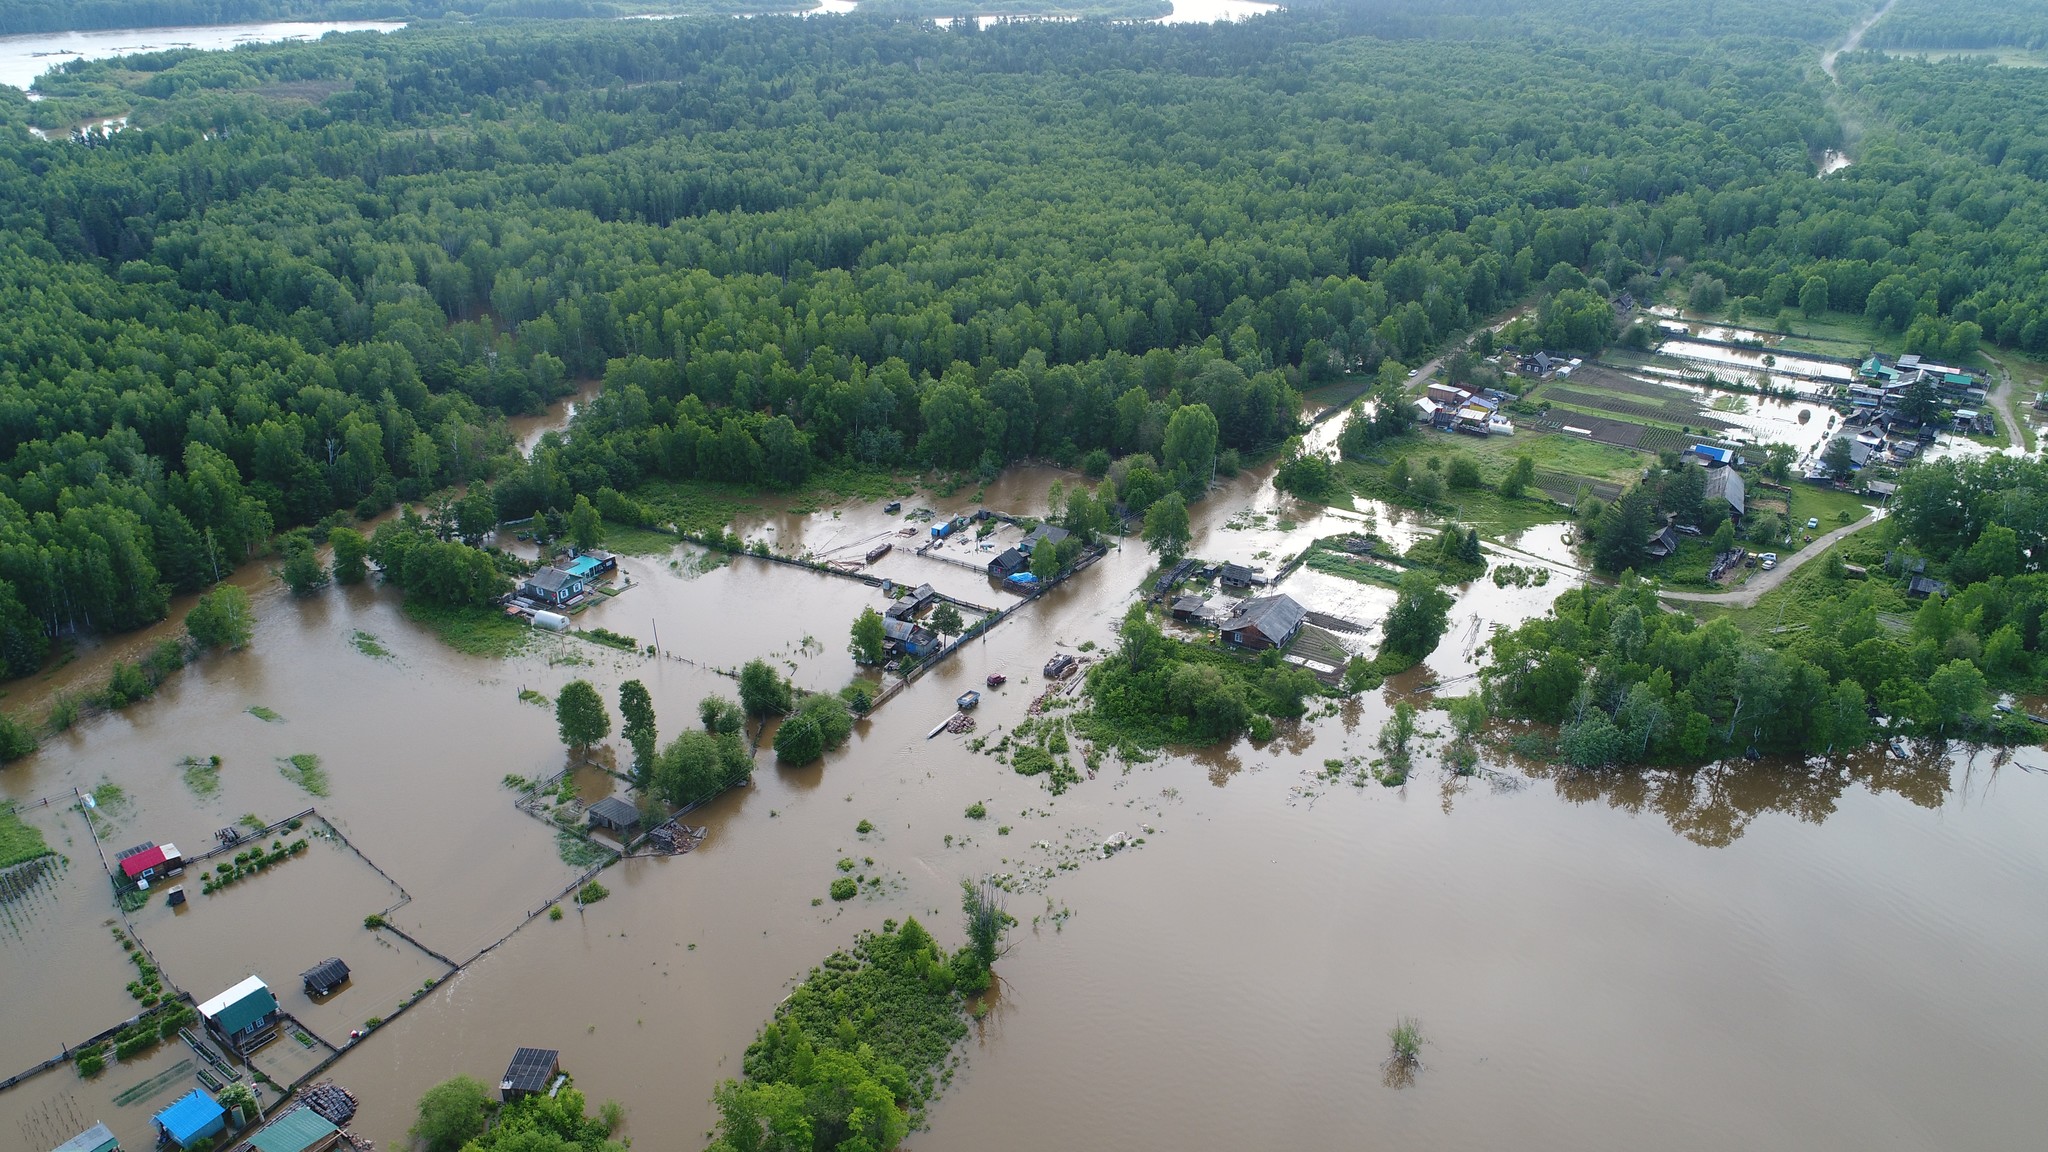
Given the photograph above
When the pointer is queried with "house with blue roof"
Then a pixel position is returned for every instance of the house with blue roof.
(97, 1138)
(193, 1117)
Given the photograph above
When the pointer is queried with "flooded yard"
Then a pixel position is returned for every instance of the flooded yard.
(1784, 957)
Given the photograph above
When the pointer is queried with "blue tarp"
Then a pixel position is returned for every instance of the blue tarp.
(1023, 578)
(193, 1117)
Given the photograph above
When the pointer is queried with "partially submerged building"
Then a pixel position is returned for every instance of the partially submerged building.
(147, 862)
(1266, 622)
(529, 1073)
(299, 1130)
(98, 1138)
(243, 1016)
(193, 1117)
(552, 586)
(613, 814)
(324, 977)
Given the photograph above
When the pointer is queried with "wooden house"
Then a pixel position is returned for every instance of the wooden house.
(552, 586)
(298, 1130)
(324, 977)
(191, 1118)
(243, 1016)
(1267, 622)
(98, 1138)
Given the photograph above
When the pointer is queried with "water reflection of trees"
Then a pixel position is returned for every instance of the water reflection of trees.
(1713, 805)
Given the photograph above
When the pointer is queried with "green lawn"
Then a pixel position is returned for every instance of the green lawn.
(630, 541)
(1826, 504)
(1805, 591)
(471, 631)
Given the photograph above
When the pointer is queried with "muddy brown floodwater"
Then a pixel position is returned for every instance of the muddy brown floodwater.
(1777, 956)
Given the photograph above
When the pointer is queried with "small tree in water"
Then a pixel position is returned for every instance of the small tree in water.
(581, 717)
(636, 708)
(986, 922)
(946, 621)
(1406, 1058)
(763, 692)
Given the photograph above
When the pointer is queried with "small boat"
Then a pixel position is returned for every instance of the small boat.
(968, 699)
(997, 679)
(878, 551)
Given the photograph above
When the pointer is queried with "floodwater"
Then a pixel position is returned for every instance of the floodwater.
(1778, 956)
(23, 58)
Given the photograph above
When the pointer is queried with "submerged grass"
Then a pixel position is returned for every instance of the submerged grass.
(265, 714)
(304, 770)
(202, 776)
(578, 851)
(368, 645)
(470, 631)
(19, 841)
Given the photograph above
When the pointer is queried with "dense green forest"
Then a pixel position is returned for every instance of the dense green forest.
(24, 16)
(1962, 24)
(311, 279)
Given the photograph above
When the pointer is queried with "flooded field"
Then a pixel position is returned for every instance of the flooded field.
(1779, 956)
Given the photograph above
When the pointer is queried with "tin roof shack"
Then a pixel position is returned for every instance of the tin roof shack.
(1190, 608)
(909, 637)
(324, 977)
(552, 586)
(614, 814)
(1238, 576)
(299, 1130)
(150, 862)
(243, 1016)
(1921, 587)
(528, 1073)
(1008, 564)
(1662, 544)
(1267, 622)
(94, 1139)
(191, 1118)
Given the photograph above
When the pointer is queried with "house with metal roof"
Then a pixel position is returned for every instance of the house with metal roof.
(324, 977)
(1008, 564)
(529, 1073)
(613, 814)
(1267, 622)
(242, 1015)
(299, 1130)
(1043, 534)
(193, 1117)
(152, 862)
(1725, 484)
(552, 586)
(97, 1138)
(909, 636)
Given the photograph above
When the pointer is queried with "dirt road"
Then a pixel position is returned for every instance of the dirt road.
(2001, 402)
(1762, 582)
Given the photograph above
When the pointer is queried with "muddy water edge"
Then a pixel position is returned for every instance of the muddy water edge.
(1779, 955)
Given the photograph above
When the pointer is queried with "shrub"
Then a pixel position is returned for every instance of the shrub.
(592, 892)
(976, 810)
(864, 827)
(844, 888)
(91, 1063)
(555, 913)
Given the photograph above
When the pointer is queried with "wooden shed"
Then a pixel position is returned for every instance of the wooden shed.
(614, 814)
(325, 977)
(529, 1073)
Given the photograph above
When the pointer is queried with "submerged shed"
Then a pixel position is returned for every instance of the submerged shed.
(614, 814)
(325, 976)
(529, 1072)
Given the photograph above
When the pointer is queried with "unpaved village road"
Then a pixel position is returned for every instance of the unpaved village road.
(1762, 582)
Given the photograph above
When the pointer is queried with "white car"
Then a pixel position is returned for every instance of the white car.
(1812, 522)
(1770, 561)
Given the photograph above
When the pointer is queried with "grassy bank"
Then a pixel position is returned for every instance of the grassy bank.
(471, 631)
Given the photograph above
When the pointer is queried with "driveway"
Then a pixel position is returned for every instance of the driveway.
(1762, 582)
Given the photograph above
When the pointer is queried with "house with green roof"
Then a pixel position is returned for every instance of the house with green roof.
(242, 1016)
(97, 1138)
(299, 1130)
